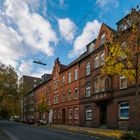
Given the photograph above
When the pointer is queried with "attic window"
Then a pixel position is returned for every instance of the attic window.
(125, 25)
(91, 47)
(122, 27)
(102, 38)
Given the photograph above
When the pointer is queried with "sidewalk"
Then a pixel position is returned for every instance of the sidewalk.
(3, 135)
(105, 133)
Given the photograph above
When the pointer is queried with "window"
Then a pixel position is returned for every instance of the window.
(122, 27)
(102, 84)
(69, 77)
(91, 47)
(87, 89)
(44, 115)
(63, 97)
(88, 68)
(96, 85)
(70, 114)
(123, 45)
(103, 39)
(124, 110)
(59, 114)
(76, 113)
(102, 59)
(88, 114)
(55, 99)
(75, 93)
(96, 62)
(54, 114)
(63, 79)
(123, 82)
(69, 95)
(75, 74)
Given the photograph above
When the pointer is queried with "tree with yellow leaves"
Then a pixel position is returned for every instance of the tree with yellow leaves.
(42, 106)
(123, 58)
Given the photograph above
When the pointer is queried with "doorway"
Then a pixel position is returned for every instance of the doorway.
(63, 116)
(103, 114)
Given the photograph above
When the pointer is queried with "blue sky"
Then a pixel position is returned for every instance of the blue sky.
(31, 29)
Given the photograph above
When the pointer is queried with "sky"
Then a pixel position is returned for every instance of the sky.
(36, 29)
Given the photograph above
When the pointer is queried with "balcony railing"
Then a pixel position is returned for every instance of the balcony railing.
(102, 96)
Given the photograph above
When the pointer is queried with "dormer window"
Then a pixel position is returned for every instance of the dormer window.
(125, 25)
(102, 38)
(122, 27)
(91, 47)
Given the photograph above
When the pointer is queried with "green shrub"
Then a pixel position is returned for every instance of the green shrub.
(131, 135)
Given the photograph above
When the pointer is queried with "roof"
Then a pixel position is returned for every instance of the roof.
(113, 30)
(133, 10)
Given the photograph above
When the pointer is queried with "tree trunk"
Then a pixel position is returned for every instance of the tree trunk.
(136, 117)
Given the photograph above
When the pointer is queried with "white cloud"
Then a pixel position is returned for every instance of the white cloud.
(104, 3)
(27, 68)
(24, 31)
(88, 34)
(61, 2)
(36, 31)
(65, 26)
(10, 42)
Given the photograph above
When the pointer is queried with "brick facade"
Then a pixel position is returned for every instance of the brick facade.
(80, 95)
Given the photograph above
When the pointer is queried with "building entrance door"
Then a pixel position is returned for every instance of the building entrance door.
(103, 114)
(63, 115)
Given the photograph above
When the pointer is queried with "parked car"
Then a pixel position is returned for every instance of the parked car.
(16, 118)
(11, 118)
(30, 121)
(43, 122)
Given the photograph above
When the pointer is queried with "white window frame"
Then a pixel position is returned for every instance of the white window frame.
(102, 84)
(76, 113)
(88, 111)
(88, 89)
(96, 61)
(124, 107)
(57, 98)
(70, 114)
(102, 58)
(103, 36)
(55, 113)
(88, 68)
(121, 78)
(63, 97)
(69, 97)
(59, 114)
(123, 45)
(76, 97)
(96, 87)
(63, 79)
(69, 77)
(75, 74)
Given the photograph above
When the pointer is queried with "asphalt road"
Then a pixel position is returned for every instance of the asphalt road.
(17, 131)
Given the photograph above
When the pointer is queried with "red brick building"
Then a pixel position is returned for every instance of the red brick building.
(80, 95)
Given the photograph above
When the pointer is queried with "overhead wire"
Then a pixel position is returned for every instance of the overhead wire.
(78, 23)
